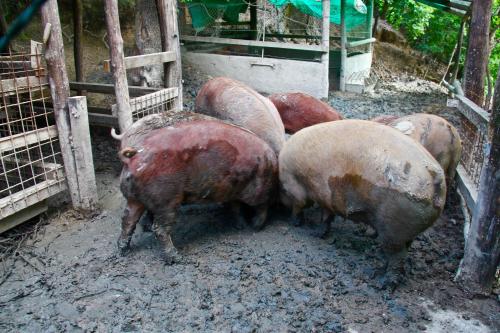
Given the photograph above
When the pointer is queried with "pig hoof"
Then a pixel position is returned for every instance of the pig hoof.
(172, 257)
(389, 281)
(123, 247)
(240, 224)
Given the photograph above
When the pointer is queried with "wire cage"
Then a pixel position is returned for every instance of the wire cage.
(157, 102)
(31, 168)
(473, 140)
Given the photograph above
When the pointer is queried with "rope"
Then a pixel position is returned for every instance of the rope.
(20, 23)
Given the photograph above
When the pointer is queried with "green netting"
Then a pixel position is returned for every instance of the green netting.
(355, 12)
(205, 12)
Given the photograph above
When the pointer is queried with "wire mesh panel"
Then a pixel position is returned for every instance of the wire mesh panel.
(473, 141)
(31, 168)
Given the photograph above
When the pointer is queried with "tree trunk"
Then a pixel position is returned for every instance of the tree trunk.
(477, 51)
(148, 40)
(482, 252)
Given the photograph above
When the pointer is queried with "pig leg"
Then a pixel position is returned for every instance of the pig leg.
(297, 216)
(164, 221)
(131, 216)
(240, 220)
(394, 270)
(147, 221)
(260, 216)
(327, 224)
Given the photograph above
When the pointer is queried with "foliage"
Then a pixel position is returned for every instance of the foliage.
(435, 32)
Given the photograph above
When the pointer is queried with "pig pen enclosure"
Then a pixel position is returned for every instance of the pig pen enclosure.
(62, 271)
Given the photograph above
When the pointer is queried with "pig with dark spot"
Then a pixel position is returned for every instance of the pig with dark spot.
(378, 176)
(437, 135)
(299, 110)
(233, 101)
(201, 161)
(385, 119)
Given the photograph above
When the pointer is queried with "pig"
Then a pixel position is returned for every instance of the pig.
(299, 110)
(239, 104)
(200, 161)
(385, 119)
(378, 176)
(136, 132)
(437, 135)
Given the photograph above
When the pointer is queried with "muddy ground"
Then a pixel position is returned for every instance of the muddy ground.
(67, 275)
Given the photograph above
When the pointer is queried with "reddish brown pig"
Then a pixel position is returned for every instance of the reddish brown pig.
(194, 162)
(231, 100)
(377, 176)
(299, 110)
(437, 135)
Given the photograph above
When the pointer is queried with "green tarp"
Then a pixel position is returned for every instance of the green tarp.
(205, 12)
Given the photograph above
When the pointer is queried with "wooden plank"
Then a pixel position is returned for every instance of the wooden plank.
(118, 64)
(31, 195)
(22, 216)
(104, 120)
(361, 42)
(343, 46)
(473, 113)
(276, 45)
(467, 187)
(144, 60)
(109, 89)
(169, 31)
(9, 86)
(36, 56)
(27, 138)
(59, 90)
(82, 149)
(325, 43)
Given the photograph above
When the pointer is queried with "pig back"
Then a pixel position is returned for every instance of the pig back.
(233, 101)
(299, 110)
(363, 156)
(203, 161)
(436, 134)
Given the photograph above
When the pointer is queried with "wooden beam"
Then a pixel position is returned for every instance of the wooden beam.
(473, 113)
(104, 120)
(82, 149)
(109, 89)
(59, 89)
(466, 187)
(36, 49)
(325, 44)
(118, 64)
(22, 84)
(27, 138)
(77, 40)
(276, 45)
(9, 222)
(143, 60)
(343, 46)
(361, 42)
(169, 31)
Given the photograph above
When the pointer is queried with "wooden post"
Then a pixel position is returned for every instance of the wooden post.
(477, 51)
(253, 18)
(118, 65)
(169, 30)
(482, 250)
(343, 45)
(325, 43)
(77, 40)
(59, 89)
(82, 149)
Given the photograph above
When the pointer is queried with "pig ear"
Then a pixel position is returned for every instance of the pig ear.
(128, 152)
